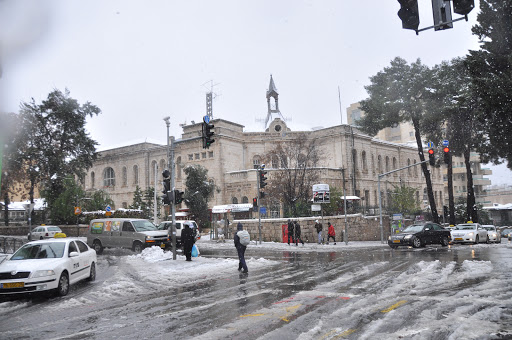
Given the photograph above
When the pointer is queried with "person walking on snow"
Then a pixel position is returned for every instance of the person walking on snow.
(331, 233)
(296, 234)
(188, 239)
(318, 227)
(291, 232)
(240, 248)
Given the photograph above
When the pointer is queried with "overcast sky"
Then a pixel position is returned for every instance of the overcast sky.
(140, 61)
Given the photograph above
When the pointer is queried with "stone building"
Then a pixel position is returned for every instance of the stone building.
(234, 157)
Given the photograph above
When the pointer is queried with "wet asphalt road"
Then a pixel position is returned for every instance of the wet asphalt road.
(349, 290)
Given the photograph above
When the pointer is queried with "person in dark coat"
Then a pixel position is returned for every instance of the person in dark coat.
(240, 248)
(291, 227)
(188, 239)
(318, 227)
(296, 234)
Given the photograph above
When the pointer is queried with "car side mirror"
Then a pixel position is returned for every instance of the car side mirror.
(73, 254)
(427, 229)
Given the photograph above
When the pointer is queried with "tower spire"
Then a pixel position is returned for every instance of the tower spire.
(272, 103)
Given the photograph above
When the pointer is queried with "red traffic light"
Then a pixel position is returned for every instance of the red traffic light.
(430, 151)
(446, 149)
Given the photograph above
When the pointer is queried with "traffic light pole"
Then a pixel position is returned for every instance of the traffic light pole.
(441, 24)
(258, 200)
(173, 203)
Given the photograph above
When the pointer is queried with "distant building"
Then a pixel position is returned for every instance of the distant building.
(499, 194)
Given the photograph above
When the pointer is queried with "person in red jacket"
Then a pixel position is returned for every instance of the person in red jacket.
(331, 233)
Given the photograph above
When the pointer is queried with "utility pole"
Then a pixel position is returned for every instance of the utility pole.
(170, 166)
(345, 233)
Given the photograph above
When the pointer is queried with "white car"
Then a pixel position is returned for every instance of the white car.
(493, 233)
(44, 231)
(469, 232)
(47, 265)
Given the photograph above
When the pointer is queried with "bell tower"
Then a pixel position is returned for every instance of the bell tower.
(272, 103)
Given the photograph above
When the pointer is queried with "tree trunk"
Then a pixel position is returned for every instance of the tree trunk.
(6, 208)
(471, 203)
(451, 203)
(426, 172)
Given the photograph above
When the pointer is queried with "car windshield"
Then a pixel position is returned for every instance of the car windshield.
(413, 229)
(465, 227)
(489, 228)
(164, 225)
(143, 225)
(53, 229)
(39, 251)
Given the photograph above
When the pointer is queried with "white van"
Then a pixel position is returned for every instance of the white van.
(132, 233)
(166, 225)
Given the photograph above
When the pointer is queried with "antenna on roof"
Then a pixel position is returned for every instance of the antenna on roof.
(209, 98)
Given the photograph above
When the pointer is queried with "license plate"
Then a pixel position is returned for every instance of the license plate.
(458, 239)
(13, 285)
(162, 245)
(396, 241)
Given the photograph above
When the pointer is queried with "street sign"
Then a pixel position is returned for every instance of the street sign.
(108, 210)
(28, 207)
(430, 145)
(445, 142)
(316, 207)
(78, 211)
(206, 119)
(263, 210)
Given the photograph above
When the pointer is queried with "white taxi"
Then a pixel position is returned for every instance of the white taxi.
(469, 232)
(45, 265)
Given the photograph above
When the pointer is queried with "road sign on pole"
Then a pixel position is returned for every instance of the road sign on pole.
(445, 142)
(430, 145)
(108, 210)
(78, 211)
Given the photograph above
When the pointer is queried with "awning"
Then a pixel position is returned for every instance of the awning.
(350, 197)
(221, 209)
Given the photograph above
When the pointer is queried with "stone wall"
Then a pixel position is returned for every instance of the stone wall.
(69, 230)
(359, 228)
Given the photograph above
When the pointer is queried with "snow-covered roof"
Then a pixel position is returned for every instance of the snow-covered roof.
(497, 206)
(39, 204)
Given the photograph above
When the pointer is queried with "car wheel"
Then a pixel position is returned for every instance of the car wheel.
(41, 238)
(477, 239)
(92, 275)
(137, 247)
(487, 240)
(416, 242)
(445, 241)
(98, 247)
(393, 247)
(63, 288)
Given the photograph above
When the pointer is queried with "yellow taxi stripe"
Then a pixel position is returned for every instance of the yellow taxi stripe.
(398, 304)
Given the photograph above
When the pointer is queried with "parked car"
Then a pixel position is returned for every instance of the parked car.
(132, 233)
(493, 234)
(44, 231)
(506, 233)
(469, 232)
(420, 235)
(45, 265)
(166, 225)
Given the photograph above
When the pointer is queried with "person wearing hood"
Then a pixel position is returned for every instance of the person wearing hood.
(318, 227)
(188, 239)
(291, 231)
(240, 248)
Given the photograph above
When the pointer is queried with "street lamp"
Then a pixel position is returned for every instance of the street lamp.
(170, 166)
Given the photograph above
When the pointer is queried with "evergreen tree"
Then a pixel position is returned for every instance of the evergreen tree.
(138, 199)
(400, 93)
(198, 190)
(491, 72)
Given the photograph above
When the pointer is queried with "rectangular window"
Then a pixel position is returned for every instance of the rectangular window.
(210, 154)
(196, 156)
(190, 157)
(203, 155)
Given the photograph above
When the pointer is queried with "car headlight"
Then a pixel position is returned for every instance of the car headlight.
(389, 238)
(471, 234)
(149, 237)
(407, 237)
(41, 273)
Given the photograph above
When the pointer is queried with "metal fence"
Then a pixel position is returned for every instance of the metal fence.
(8, 245)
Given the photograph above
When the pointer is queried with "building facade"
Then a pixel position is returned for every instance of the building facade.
(233, 159)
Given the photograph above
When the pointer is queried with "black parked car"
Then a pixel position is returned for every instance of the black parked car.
(420, 235)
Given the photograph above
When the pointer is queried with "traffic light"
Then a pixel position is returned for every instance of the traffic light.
(262, 194)
(318, 196)
(463, 6)
(445, 210)
(207, 134)
(167, 187)
(442, 12)
(263, 179)
(431, 157)
(178, 196)
(255, 204)
(409, 14)
(446, 151)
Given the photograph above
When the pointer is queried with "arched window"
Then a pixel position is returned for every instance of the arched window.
(415, 169)
(178, 167)
(109, 177)
(136, 175)
(125, 176)
(373, 164)
(387, 164)
(92, 179)
(256, 161)
(275, 162)
(354, 159)
(234, 200)
(363, 159)
(408, 164)
(163, 165)
(379, 164)
(245, 199)
(152, 171)
(394, 164)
